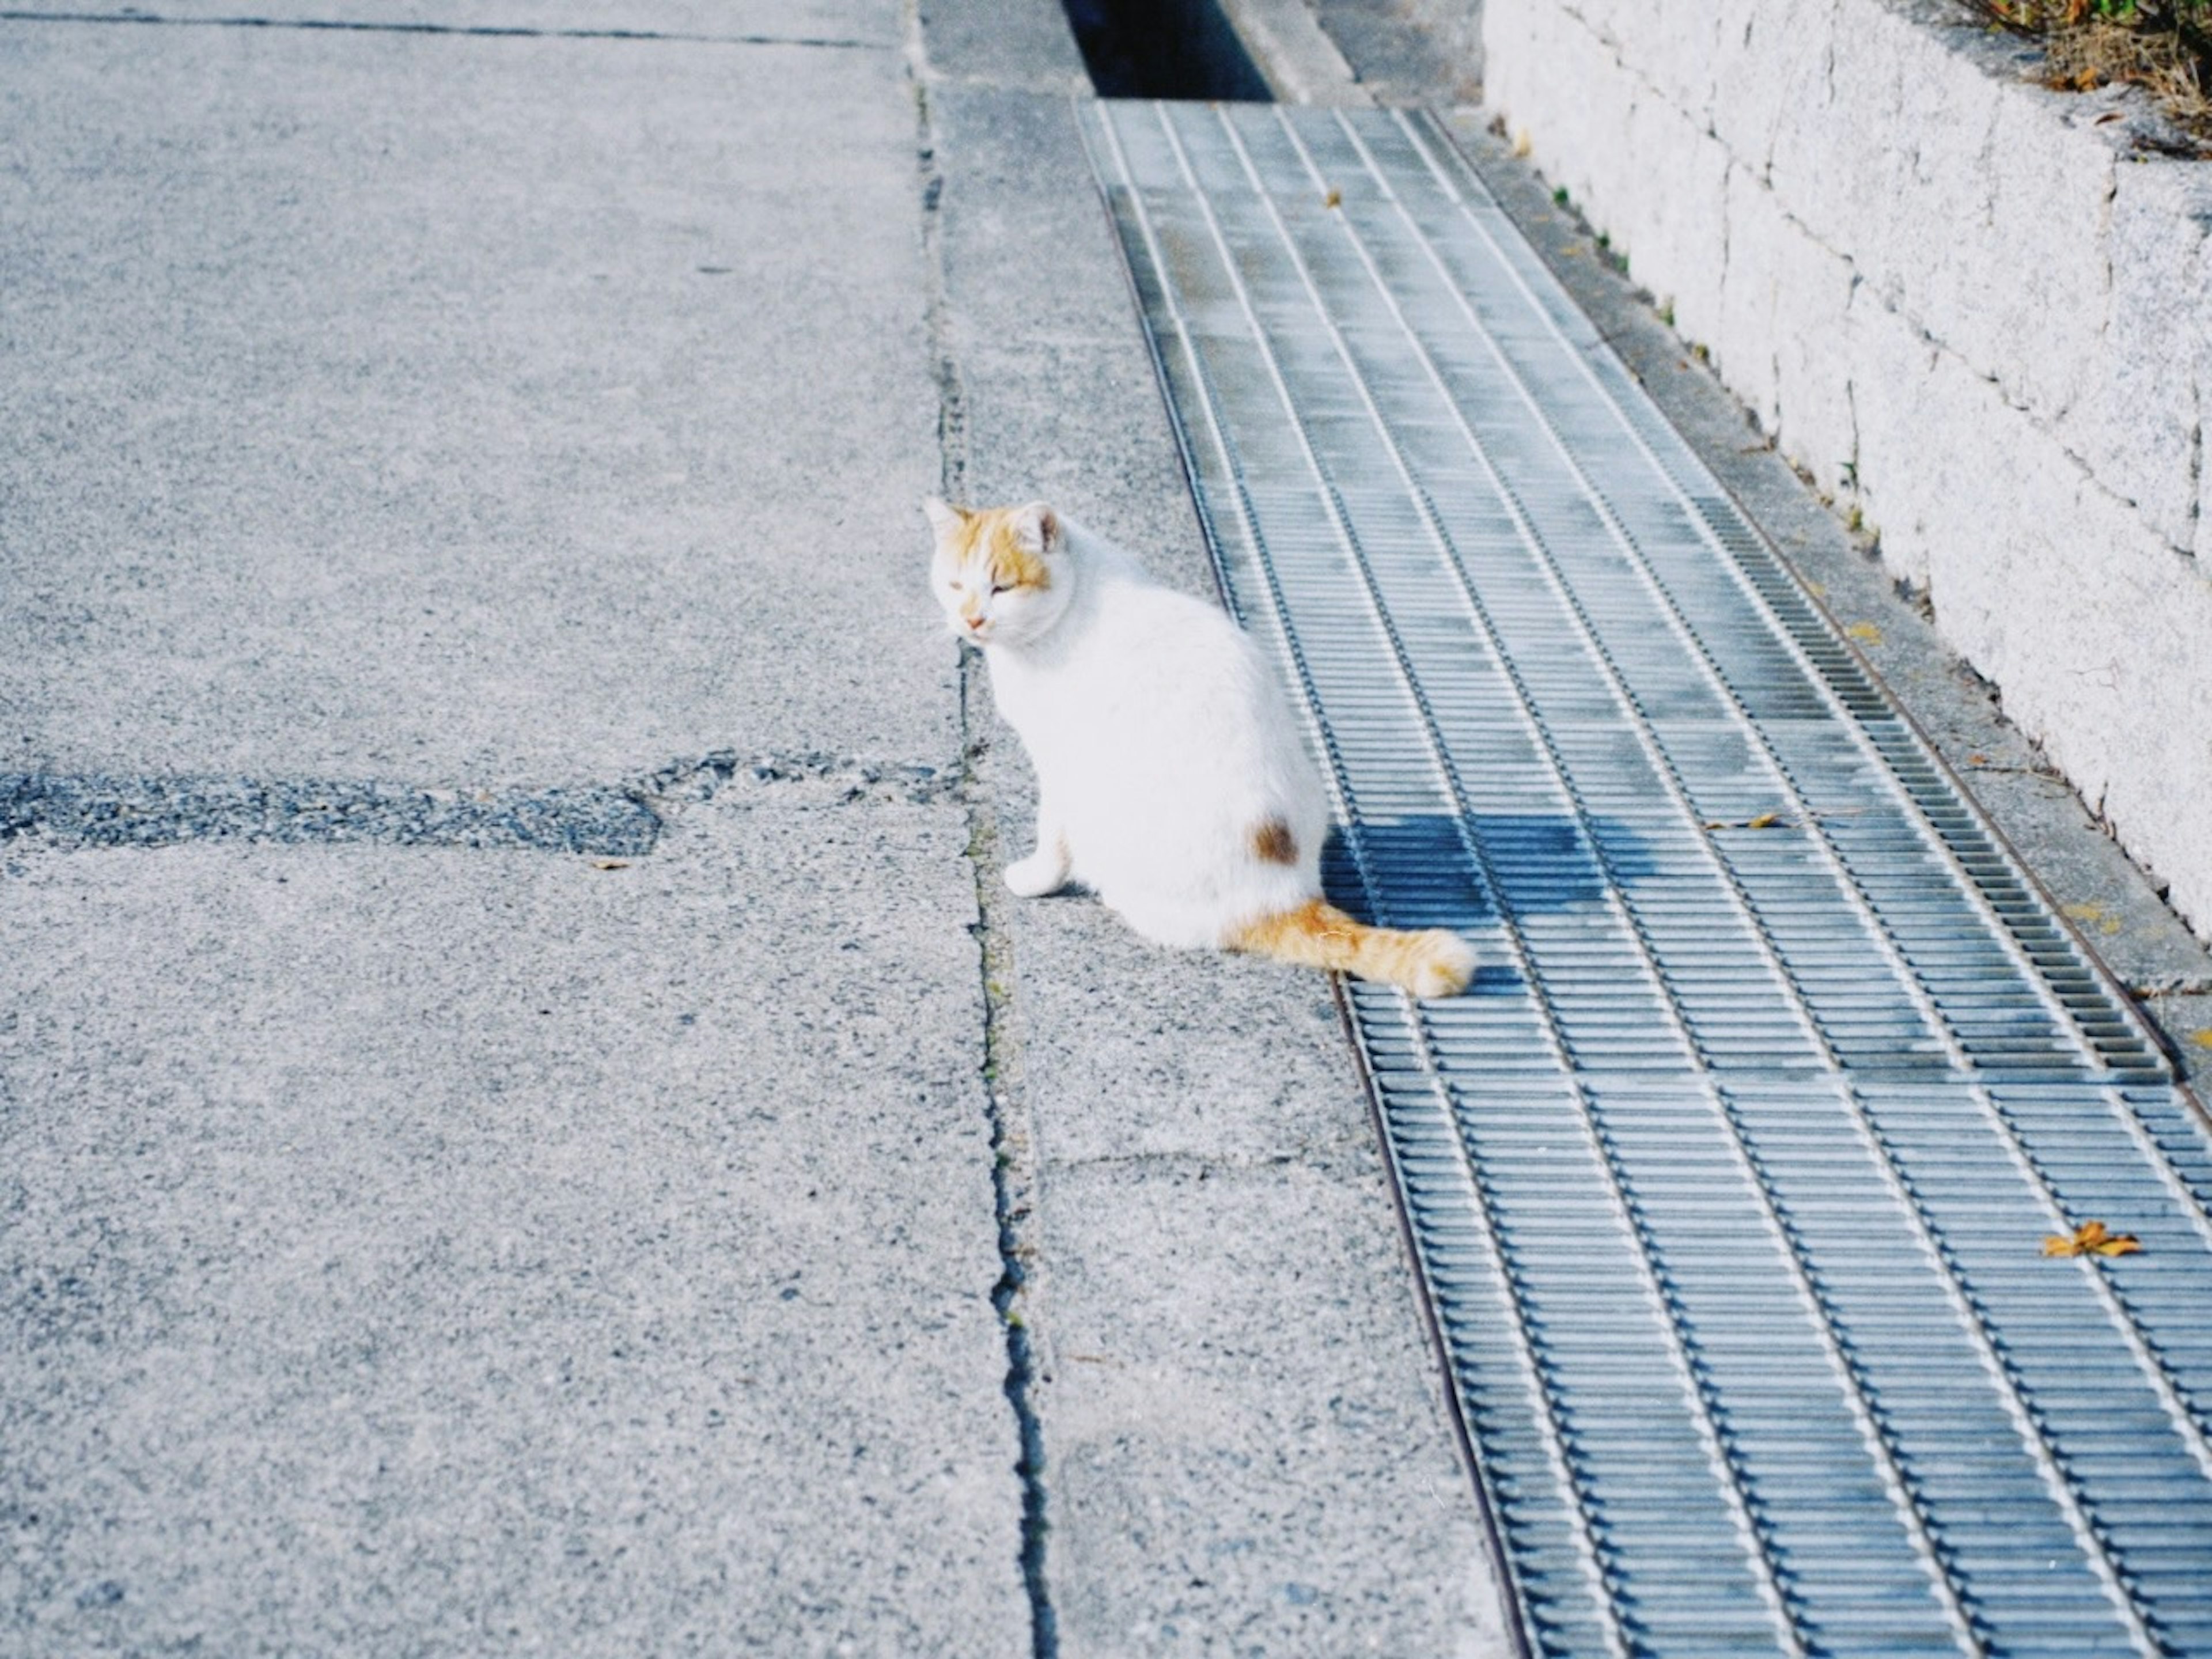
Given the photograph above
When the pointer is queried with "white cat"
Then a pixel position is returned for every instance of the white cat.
(1170, 778)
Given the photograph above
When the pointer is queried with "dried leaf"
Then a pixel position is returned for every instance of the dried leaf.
(610, 864)
(2092, 1238)
(1763, 821)
(1334, 198)
(1865, 633)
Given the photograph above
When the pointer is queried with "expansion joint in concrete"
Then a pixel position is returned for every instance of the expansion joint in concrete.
(357, 26)
(1013, 1156)
(1013, 1159)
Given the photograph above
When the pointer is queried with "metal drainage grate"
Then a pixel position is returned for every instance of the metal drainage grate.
(1729, 1181)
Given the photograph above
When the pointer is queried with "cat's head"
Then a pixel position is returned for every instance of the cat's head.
(1001, 573)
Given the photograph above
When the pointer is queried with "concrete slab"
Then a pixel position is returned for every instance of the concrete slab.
(1061, 399)
(1288, 45)
(987, 42)
(1245, 1445)
(1206, 1499)
(1216, 1060)
(493, 1149)
(1409, 51)
(431, 1251)
(459, 408)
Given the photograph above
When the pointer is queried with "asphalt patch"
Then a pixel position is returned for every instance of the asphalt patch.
(621, 820)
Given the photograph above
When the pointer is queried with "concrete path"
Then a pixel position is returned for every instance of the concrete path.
(524, 1122)
(1245, 1436)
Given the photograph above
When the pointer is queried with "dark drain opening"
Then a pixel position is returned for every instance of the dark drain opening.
(1163, 49)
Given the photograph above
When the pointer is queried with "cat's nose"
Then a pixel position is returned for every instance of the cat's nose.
(974, 623)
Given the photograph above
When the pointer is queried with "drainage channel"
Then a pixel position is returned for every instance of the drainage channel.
(1162, 49)
(1730, 1179)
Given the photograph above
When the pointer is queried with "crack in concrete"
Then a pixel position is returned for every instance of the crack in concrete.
(624, 820)
(354, 26)
(1014, 1168)
(813, 775)
(1205, 1166)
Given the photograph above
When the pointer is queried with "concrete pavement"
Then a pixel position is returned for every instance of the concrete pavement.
(525, 1125)
(1245, 1435)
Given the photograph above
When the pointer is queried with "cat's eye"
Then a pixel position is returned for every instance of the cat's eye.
(997, 588)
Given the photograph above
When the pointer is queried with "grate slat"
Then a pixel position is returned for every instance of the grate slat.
(1726, 1181)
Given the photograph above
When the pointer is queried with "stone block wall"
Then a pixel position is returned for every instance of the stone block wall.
(1972, 308)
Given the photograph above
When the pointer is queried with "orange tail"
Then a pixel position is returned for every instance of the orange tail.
(1317, 934)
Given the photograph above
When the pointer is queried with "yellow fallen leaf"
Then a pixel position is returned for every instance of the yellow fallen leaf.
(610, 864)
(2092, 1238)
(1763, 821)
(1865, 633)
(2202, 1039)
(1334, 198)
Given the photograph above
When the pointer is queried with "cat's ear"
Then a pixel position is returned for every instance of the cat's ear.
(1036, 527)
(942, 519)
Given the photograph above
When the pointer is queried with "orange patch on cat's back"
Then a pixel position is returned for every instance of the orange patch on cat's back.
(1274, 843)
(991, 541)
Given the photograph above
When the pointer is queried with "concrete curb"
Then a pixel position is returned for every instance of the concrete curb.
(1300, 62)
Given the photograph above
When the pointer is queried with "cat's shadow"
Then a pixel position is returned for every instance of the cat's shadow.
(1438, 871)
(1544, 862)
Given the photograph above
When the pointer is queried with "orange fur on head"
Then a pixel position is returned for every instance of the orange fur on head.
(1006, 543)
(1316, 934)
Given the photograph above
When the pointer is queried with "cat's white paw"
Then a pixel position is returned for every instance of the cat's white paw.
(1040, 873)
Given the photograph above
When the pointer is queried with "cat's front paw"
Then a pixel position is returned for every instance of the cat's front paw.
(1042, 872)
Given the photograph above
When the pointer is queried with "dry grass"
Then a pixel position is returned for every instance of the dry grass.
(2164, 46)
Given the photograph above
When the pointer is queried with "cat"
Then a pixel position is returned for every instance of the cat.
(1170, 777)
